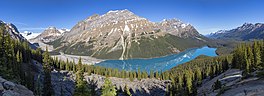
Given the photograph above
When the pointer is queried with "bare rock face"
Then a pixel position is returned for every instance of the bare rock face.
(63, 83)
(8, 88)
(50, 34)
(144, 87)
(120, 34)
(8, 85)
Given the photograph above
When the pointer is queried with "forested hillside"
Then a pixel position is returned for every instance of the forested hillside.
(15, 59)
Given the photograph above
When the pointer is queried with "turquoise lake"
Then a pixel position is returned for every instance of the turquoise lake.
(158, 64)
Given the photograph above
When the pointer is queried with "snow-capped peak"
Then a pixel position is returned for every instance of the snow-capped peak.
(217, 32)
(220, 31)
(111, 11)
(63, 30)
(51, 28)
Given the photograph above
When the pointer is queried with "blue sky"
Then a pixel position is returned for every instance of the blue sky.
(205, 15)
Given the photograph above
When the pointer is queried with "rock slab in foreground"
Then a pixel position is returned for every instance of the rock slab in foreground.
(8, 88)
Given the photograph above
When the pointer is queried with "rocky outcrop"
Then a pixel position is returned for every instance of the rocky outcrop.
(144, 87)
(63, 83)
(8, 88)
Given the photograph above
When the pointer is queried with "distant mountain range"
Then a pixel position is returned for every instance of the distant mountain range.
(121, 34)
(247, 31)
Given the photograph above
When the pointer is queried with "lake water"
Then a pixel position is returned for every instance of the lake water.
(158, 64)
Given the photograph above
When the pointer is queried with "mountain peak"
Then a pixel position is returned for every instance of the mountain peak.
(247, 23)
(51, 28)
(119, 11)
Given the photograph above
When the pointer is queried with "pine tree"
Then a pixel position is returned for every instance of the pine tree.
(262, 55)
(250, 58)
(47, 70)
(67, 65)
(79, 76)
(139, 74)
(38, 87)
(131, 76)
(151, 75)
(74, 67)
(62, 65)
(108, 89)
(81, 86)
(256, 53)
(157, 75)
(217, 85)
(18, 62)
(225, 64)
(188, 78)
(199, 76)
(127, 91)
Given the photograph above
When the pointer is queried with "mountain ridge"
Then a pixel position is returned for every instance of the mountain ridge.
(247, 31)
(120, 34)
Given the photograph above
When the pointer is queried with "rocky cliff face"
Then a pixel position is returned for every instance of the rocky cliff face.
(121, 34)
(8, 88)
(50, 34)
(245, 32)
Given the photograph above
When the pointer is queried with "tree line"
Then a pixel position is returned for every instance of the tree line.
(249, 57)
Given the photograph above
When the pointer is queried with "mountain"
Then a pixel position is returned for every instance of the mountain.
(121, 34)
(50, 34)
(247, 31)
(12, 31)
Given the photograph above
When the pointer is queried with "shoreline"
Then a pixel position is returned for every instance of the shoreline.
(88, 60)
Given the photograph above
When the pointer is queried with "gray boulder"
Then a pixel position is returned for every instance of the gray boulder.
(1, 87)
(62, 83)
(9, 85)
(8, 88)
(10, 93)
(2, 80)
